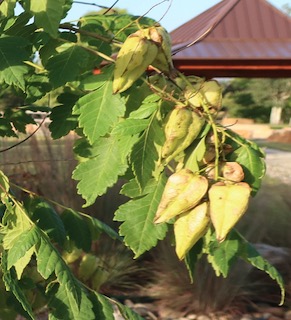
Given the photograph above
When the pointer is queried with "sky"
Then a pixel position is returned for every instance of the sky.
(172, 13)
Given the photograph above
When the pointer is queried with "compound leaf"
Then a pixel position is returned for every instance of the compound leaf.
(99, 111)
(99, 173)
(137, 215)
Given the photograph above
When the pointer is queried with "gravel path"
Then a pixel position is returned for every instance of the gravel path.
(279, 165)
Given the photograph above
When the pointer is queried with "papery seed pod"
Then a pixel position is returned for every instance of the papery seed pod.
(207, 92)
(163, 60)
(232, 171)
(189, 227)
(183, 191)
(182, 128)
(228, 203)
(133, 58)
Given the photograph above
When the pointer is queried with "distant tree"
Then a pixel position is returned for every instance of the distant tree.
(255, 98)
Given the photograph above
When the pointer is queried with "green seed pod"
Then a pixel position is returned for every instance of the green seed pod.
(183, 191)
(208, 92)
(135, 55)
(163, 60)
(228, 203)
(182, 128)
(189, 227)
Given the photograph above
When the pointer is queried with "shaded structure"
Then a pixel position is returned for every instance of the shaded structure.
(235, 38)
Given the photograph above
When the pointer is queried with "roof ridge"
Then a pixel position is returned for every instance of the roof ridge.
(212, 26)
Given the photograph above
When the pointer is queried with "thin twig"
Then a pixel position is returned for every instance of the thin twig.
(22, 141)
(111, 8)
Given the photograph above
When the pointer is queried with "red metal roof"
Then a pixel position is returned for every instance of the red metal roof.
(235, 38)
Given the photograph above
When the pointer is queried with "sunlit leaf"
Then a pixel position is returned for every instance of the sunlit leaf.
(99, 111)
(137, 215)
(12, 55)
(97, 174)
(66, 65)
(47, 14)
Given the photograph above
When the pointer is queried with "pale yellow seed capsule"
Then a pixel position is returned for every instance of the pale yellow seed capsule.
(228, 203)
(189, 227)
(182, 196)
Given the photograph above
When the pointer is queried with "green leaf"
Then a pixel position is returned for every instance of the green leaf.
(37, 87)
(250, 156)
(46, 218)
(131, 126)
(137, 215)
(63, 121)
(7, 7)
(101, 172)
(47, 14)
(251, 255)
(6, 129)
(19, 118)
(4, 184)
(192, 257)
(66, 65)
(253, 165)
(15, 222)
(63, 304)
(145, 152)
(127, 313)
(77, 229)
(21, 264)
(96, 227)
(194, 154)
(22, 244)
(99, 111)
(147, 108)
(13, 285)
(104, 307)
(224, 254)
(12, 55)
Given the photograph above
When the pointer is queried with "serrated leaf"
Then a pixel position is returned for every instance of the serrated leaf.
(130, 126)
(224, 254)
(37, 87)
(137, 215)
(21, 245)
(6, 129)
(7, 7)
(96, 227)
(19, 119)
(15, 223)
(127, 313)
(66, 65)
(12, 284)
(147, 108)
(21, 264)
(97, 174)
(63, 121)
(47, 14)
(250, 254)
(104, 307)
(46, 218)
(12, 55)
(77, 229)
(192, 257)
(99, 111)
(252, 163)
(145, 153)
(194, 154)
(64, 306)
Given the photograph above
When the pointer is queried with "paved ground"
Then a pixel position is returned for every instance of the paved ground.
(279, 164)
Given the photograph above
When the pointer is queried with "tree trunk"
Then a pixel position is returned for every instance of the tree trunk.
(275, 117)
